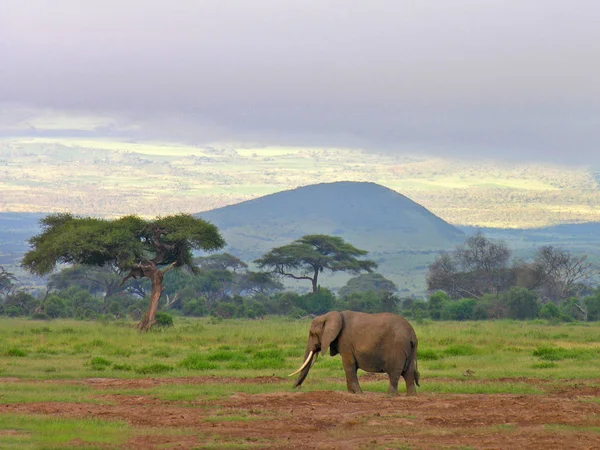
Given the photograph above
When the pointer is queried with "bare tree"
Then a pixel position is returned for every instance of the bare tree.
(557, 274)
(479, 266)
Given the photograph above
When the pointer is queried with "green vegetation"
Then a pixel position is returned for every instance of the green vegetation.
(140, 248)
(314, 254)
(34, 432)
(205, 366)
(274, 346)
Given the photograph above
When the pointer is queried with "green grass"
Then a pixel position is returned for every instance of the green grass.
(34, 432)
(224, 358)
(15, 392)
(66, 349)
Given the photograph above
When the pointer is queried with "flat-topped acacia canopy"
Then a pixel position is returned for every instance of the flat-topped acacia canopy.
(137, 247)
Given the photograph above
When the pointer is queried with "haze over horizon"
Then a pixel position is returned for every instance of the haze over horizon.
(506, 80)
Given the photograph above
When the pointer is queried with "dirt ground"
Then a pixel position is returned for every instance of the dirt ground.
(564, 417)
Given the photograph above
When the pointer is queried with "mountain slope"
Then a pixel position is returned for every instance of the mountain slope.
(399, 234)
(366, 214)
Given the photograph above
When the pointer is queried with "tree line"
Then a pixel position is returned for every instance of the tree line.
(124, 268)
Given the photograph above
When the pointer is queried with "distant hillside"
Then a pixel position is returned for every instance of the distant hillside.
(401, 235)
(371, 216)
(581, 238)
(15, 231)
(111, 178)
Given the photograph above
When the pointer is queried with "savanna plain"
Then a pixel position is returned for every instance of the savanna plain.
(222, 384)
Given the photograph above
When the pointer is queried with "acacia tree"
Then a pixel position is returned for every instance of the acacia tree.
(135, 246)
(313, 254)
(7, 282)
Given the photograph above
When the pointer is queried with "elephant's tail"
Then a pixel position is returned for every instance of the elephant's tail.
(412, 359)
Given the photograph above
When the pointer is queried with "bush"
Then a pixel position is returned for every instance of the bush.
(318, 303)
(163, 319)
(268, 359)
(99, 363)
(371, 302)
(436, 304)
(459, 309)
(460, 350)
(194, 308)
(428, 355)
(225, 355)
(225, 310)
(196, 361)
(593, 307)
(571, 308)
(481, 310)
(154, 368)
(522, 303)
(254, 309)
(550, 312)
(16, 352)
(548, 353)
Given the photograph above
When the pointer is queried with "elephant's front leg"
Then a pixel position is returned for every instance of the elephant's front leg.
(351, 368)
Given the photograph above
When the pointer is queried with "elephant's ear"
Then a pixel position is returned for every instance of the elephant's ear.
(331, 329)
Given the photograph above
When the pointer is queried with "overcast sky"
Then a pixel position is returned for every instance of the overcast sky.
(510, 79)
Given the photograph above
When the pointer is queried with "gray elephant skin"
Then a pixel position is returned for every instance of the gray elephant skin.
(381, 343)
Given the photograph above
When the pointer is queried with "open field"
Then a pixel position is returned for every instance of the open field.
(222, 384)
(113, 178)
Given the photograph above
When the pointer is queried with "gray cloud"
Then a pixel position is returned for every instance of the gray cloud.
(501, 78)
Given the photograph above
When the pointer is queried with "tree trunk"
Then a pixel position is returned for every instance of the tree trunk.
(40, 307)
(315, 286)
(156, 276)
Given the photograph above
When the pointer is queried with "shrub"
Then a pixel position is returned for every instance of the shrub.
(548, 353)
(16, 352)
(319, 302)
(225, 310)
(196, 361)
(436, 304)
(544, 365)
(593, 307)
(164, 319)
(428, 355)
(459, 309)
(99, 363)
(549, 312)
(161, 353)
(522, 303)
(123, 367)
(195, 308)
(154, 368)
(460, 350)
(225, 355)
(272, 358)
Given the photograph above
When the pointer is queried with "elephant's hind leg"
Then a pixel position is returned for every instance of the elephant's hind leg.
(394, 378)
(409, 378)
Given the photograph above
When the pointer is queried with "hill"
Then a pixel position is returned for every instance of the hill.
(401, 235)
(371, 216)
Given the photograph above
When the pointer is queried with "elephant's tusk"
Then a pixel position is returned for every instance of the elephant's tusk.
(303, 365)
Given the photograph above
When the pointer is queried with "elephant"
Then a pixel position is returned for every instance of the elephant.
(382, 343)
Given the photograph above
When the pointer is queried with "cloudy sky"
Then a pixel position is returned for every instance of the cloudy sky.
(509, 79)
